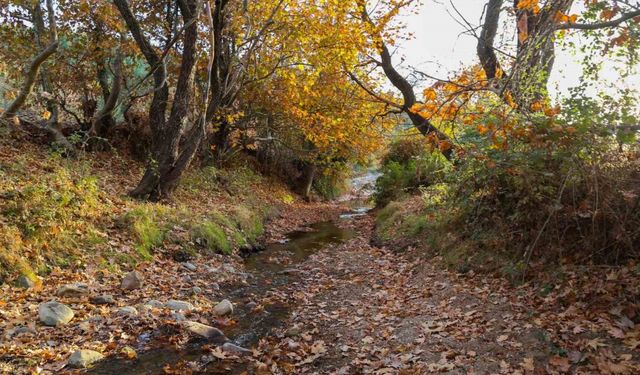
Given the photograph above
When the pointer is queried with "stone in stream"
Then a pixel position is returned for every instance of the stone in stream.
(84, 358)
(208, 332)
(54, 313)
(224, 307)
(235, 349)
(133, 280)
(25, 282)
(73, 290)
(176, 305)
(105, 299)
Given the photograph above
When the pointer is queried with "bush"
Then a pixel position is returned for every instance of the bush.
(406, 168)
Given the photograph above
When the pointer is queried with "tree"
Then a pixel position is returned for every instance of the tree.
(537, 25)
(173, 147)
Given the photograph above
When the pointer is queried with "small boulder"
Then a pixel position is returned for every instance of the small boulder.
(25, 282)
(293, 331)
(178, 317)
(228, 268)
(154, 303)
(54, 313)
(84, 358)
(127, 311)
(73, 290)
(105, 299)
(17, 331)
(224, 307)
(235, 349)
(204, 330)
(133, 280)
(176, 305)
(190, 266)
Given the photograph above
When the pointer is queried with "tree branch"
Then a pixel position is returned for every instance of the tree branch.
(599, 25)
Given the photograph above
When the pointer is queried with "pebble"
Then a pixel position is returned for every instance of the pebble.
(128, 311)
(133, 280)
(25, 282)
(73, 290)
(235, 349)
(190, 266)
(54, 313)
(204, 330)
(84, 358)
(105, 299)
(176, 305)
(224, 307)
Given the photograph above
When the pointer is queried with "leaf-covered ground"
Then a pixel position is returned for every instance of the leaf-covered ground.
(353, 309)
(362, 309)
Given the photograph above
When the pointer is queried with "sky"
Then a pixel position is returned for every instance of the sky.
(438, 48)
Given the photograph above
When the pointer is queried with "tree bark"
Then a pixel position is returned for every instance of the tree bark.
(169, 159)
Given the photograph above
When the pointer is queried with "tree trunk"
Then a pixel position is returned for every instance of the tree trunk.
(308, 182)
(103, 120)
(169, 160)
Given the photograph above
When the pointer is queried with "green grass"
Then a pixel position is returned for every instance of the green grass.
(212, 236)
(147, 227)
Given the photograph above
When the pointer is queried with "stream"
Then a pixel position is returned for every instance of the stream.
(270, 269)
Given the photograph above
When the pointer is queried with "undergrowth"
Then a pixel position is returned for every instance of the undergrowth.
(57, 212)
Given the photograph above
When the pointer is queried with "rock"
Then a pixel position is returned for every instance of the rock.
(293, 331)
(73, 290)
(224, 307)
(228, 268)
(235, 349)
(176, 305)
(105, 299)
(178, 317)
(127, 311)
(215, 286)
(84, 358)
(19, 331)
(25, 282)
(196, 290)
(204, 330)
(190, 266)
(133, 280)
(54, 313)
(251, 305)
(154, 303)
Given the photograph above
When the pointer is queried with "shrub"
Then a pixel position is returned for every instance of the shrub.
(404, 171)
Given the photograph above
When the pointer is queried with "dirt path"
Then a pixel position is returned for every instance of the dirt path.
(361, 309)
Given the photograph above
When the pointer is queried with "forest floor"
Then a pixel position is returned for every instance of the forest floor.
(351, 307)
(361, 309)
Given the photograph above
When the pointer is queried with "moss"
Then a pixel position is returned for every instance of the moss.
(212, 236)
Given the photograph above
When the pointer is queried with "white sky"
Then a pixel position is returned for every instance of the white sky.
(439, 49)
